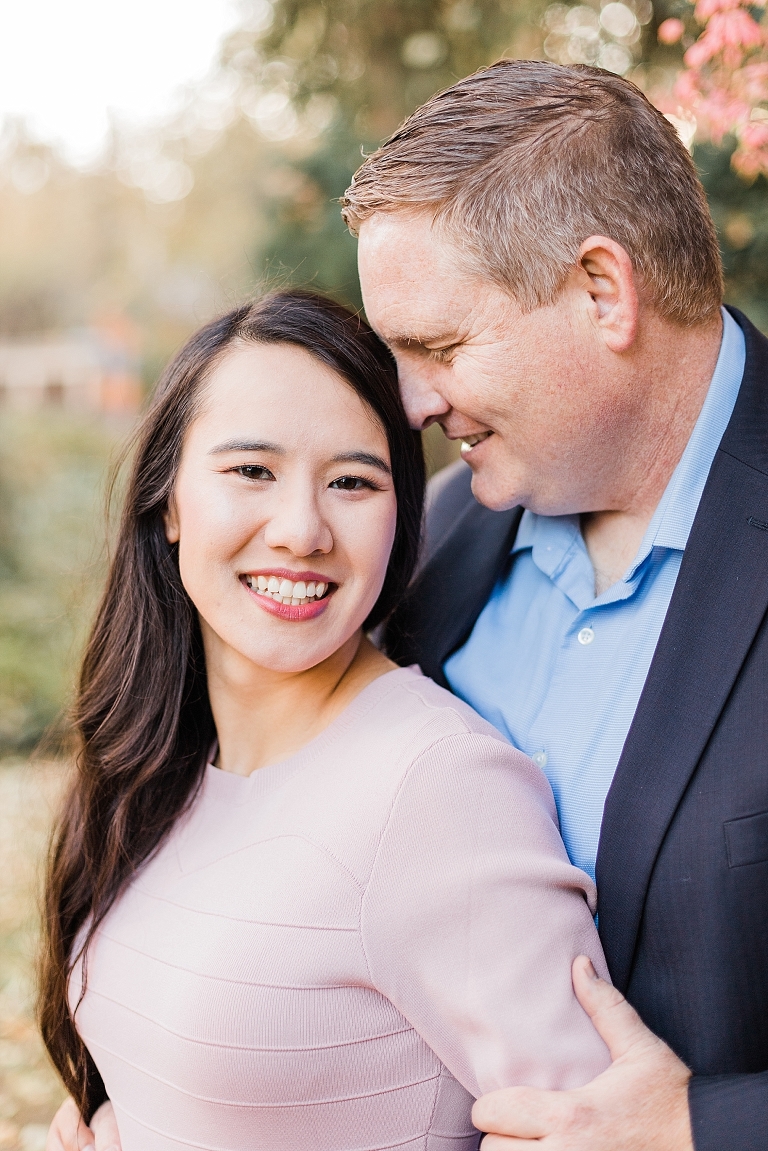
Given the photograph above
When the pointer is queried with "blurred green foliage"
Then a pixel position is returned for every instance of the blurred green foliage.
(53, 467)
(372, 62)
(740, 211)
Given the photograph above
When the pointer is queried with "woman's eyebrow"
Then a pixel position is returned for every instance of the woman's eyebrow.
(363, 458)
(247, 446)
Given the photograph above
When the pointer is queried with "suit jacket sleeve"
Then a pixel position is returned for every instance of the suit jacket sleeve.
(729, 1112)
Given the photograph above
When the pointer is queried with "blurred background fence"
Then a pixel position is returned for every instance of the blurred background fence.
(106, 267)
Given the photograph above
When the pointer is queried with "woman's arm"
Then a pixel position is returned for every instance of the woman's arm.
(473, 916)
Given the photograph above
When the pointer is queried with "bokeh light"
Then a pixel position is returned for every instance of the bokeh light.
(608, 35)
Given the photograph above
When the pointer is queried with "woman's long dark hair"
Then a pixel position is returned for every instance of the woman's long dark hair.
(141, 712)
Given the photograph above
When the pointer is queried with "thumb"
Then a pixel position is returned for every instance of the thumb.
(104, 1125)
(617, 1023)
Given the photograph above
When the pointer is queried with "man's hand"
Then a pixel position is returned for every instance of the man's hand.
(639, 1104)
(68, 1132)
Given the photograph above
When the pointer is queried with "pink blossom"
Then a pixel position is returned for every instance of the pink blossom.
(726, 30)
(725, 77)
(670, 31)
(705, 9)
(750, 163)
(754, 134)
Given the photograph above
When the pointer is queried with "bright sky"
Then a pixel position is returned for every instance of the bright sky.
(65, 63)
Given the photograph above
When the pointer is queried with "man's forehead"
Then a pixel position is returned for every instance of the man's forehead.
(413, 309)
(414, 288)
(418, 317)
(404, 249)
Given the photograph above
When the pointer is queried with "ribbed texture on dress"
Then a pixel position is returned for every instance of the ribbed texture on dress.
(339, 952)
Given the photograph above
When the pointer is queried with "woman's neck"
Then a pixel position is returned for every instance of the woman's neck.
(263, 717)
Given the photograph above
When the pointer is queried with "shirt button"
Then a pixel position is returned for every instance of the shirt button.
(540, 758)
(586, 635)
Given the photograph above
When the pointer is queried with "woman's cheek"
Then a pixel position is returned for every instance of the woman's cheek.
(218, 525)
(210, 539)
(375, 541)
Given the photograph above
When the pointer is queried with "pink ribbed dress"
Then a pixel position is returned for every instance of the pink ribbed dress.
(339, 952)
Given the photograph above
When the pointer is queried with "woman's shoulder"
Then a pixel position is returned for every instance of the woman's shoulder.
(407, 770)
(404, 748)
(409, 726)
(416, 711)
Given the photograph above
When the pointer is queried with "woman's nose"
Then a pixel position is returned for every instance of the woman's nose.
(298, 525)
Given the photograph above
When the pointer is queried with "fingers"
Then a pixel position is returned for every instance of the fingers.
(104, 1126)
(614, 1019)
(523, 1112)
(67, 1131)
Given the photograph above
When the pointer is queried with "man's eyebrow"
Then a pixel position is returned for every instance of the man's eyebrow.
(247, 446)
(363, 458)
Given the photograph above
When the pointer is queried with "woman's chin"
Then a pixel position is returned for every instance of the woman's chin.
(284, 654)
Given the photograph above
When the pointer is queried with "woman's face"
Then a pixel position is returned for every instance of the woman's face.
(284, 510)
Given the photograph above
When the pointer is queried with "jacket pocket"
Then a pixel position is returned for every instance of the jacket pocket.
(746, 839)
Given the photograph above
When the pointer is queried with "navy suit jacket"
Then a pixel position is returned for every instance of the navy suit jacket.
(682, 865)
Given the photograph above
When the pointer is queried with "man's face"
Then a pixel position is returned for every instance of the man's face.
(531, 394)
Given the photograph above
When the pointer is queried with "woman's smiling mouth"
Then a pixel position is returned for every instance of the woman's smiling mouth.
(292, 599)
(284, 590)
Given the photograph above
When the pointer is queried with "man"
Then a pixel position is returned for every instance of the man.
(536, 249)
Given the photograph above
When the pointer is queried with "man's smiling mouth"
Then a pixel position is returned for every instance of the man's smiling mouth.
(469, 442)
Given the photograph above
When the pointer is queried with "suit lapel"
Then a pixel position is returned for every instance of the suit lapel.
(451, 591)
(719, 601)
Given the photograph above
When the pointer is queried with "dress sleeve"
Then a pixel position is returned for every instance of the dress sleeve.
(473, 916)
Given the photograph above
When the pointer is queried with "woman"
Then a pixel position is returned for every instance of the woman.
(299, 897)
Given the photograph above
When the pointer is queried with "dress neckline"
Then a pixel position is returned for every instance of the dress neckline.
(355, 709)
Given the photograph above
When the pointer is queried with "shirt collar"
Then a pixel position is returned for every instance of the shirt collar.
(673, 519)
(556, 539)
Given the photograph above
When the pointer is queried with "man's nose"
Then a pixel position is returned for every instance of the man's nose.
(422, 400)
(298, 525)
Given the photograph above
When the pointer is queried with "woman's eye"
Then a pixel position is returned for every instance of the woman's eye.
(254, 472)
(352, 484)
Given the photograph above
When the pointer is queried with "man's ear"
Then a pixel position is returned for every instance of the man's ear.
(171, 522)
(611, 285)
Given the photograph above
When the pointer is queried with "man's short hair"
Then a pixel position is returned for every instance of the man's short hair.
(519, 163)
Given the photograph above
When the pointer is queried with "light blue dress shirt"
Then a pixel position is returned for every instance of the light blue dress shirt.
(558, 671)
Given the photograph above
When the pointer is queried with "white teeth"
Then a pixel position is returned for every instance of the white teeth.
(285, 591)
(469, 441)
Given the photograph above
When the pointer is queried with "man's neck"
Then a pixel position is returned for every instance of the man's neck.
(683, 369)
